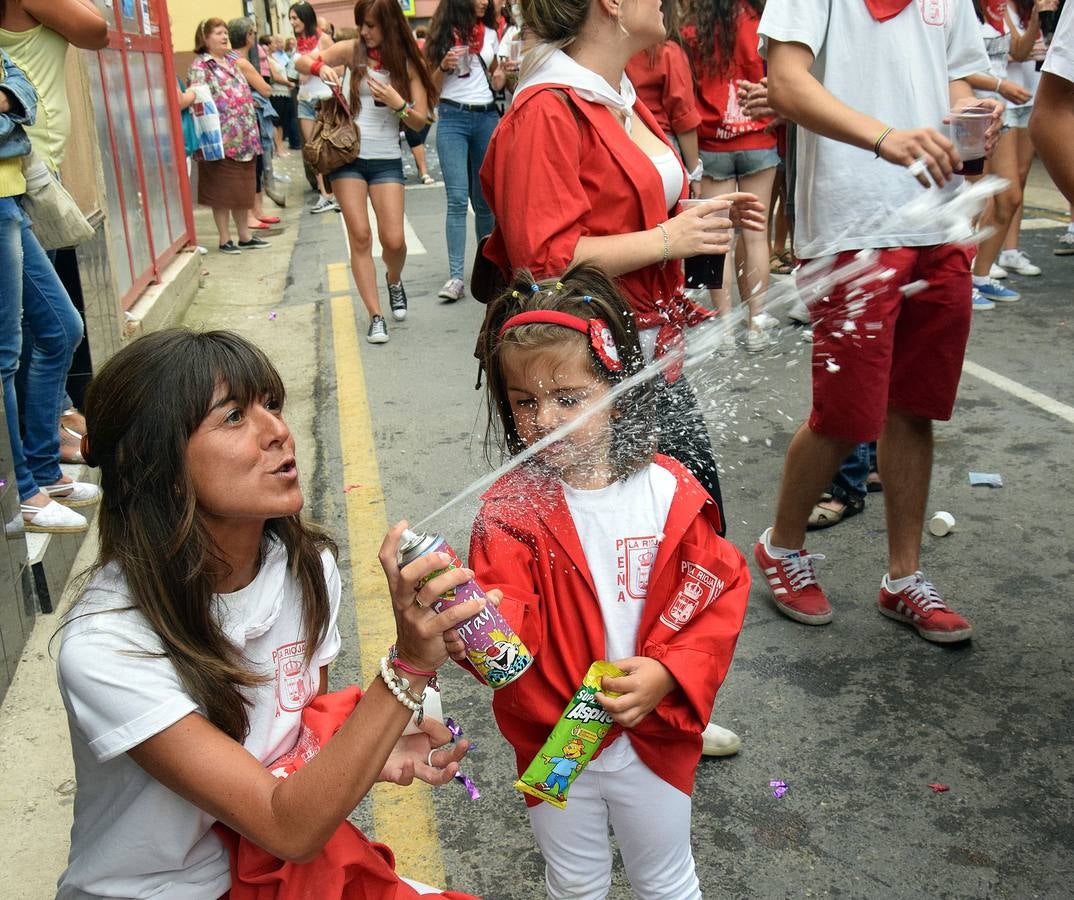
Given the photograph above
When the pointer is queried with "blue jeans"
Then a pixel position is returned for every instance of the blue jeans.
(31, 292)
(849, 481)
(461, 140)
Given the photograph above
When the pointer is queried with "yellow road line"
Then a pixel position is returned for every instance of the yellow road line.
(339, 278)
(403, 817)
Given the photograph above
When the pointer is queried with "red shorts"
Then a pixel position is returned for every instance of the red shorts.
(881, 347)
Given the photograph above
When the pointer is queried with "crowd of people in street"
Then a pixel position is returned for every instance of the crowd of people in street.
(631, 166)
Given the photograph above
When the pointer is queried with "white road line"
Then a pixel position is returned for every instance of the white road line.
(414, 246)
(1043, 401)
(1034, 224)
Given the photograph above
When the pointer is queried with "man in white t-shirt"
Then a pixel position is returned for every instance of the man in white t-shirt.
(869, 82)
(1052, 124)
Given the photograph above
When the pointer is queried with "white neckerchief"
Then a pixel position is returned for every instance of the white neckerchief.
(559, 68)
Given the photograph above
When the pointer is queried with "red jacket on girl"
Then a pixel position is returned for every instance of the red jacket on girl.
(559, 168)
(666, 87)
(524, 542)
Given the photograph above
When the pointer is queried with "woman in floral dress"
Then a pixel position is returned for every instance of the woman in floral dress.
(227, 185)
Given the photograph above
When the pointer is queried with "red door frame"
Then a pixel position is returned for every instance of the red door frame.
(157, 45)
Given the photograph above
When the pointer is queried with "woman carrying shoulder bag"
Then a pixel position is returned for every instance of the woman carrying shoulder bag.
(394, 87)
(461, 52)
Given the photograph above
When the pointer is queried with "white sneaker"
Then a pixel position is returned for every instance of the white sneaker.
(1016, 261)
(799, 312)
(1065, 245)
(717, 741)
(73, 493)
(378, 331)
(997, 272)
(453, 290)
(52, 519)
(764, 321)
(323, 205)
(726, 343)
(757, 340)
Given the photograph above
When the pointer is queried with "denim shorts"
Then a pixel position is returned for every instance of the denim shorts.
(372, 171)
(307, 109)
(1017, 116)
(737, 163)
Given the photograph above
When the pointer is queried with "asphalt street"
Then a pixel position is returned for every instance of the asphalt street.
(857, 718)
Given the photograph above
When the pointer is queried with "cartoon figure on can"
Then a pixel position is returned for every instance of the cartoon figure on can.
(502, 660)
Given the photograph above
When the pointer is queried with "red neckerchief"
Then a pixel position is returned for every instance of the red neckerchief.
(477, 38)
(882, 10)
(994, 14)
(374, 57)
(308, 43)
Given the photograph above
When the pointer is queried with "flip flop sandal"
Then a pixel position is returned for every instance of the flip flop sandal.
(824, 516)
(270, 220)
(780, 264)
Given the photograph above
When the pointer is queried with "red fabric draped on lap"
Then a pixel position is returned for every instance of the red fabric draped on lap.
(882, 10)
(350, 867)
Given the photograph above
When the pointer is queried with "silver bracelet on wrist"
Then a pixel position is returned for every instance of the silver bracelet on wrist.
(400, 687)
(667, 244)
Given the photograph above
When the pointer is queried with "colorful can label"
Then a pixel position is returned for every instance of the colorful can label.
(492, 646)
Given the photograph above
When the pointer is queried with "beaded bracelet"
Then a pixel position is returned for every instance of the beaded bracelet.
(400, 687)
(403, 111)
(667, 244)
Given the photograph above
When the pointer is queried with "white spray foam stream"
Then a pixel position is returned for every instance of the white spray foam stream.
(951, 212)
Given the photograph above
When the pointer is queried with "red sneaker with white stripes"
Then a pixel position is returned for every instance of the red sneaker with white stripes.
(792, 582)
(920, 605)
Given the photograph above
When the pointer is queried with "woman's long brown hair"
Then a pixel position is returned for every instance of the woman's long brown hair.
(399, 52)
(141, 410)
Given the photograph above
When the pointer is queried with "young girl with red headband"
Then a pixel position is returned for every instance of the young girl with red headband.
(603, 550)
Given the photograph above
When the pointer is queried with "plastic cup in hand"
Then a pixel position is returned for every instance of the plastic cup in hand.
(381, 77)
(516, 51)
(968, 127)
(706, 270)
(462, 64)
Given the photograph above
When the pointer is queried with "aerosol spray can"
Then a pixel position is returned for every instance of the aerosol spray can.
(492, 646)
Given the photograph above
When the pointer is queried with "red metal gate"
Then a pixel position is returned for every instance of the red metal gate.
(136, 106)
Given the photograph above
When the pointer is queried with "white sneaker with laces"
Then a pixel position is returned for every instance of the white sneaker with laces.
(1016, 261)
(718, 741)
(453, 290)
(997, 272)
(323, 205)
(378, 331)
(758, 340)
(1065, 245)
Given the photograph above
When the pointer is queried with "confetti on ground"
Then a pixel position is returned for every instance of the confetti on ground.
(779, 788)
(351, 487)
(938, 788)
(986, 478)
(832, 366)
(272, 316)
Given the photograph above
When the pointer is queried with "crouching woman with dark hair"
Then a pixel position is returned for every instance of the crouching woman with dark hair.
(196, 656)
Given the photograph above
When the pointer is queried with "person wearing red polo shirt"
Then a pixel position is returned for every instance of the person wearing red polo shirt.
(869, 82)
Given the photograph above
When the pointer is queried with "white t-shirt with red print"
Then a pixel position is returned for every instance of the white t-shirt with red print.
(133, 837)
(620, 528)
